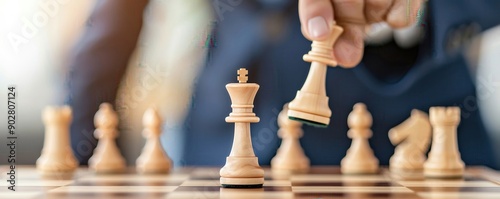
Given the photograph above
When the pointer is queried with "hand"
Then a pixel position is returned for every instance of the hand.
(318, 16)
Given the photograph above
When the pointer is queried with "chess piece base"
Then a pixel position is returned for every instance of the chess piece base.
(241, 182)
(56, 175)
(366, 168)
(153, 169)
(406, 174)
(242, 167)
(108, 168)
(109, 171)
(45, 165)
(359, 170)
(151, 165)
(297, 165)
(308, 118)
(51, 171)
(443, 173)
(310, 108)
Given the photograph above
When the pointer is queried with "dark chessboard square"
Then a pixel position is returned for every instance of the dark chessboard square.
(128, 183)
(356, 195)
(343, 184)
(204, 177)
(456, 189)
(242, 186)
(218, 188)
(104, 195)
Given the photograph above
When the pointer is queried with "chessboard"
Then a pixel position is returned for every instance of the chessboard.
(203, 182)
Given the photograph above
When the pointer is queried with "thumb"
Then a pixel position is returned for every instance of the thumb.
(316, 18)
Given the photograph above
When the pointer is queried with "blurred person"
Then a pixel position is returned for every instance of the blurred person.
(417, 67)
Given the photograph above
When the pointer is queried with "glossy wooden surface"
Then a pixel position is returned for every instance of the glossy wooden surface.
(203, 182)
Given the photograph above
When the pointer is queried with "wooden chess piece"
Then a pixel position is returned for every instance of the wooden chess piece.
(412, 138)
(290, 156)
(359, 158)
(107, 157)
(444, 159)
(242, 168)
(153, 158)
(311, 103)
(57, 156)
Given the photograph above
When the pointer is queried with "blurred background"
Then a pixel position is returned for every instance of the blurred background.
(37, 38)
(37, 41)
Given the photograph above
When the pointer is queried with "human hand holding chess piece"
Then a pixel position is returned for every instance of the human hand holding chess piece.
(310, 105)
(317, 18)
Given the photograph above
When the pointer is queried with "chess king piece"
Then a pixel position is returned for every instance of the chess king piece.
(107, 157)
(57, 155)
(290, 156)
(242, 168)
(359, 158)
(412, 138)
(311, 103)
(153, 158)
(444, 159)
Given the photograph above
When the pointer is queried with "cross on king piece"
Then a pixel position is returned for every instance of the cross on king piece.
(242, 75)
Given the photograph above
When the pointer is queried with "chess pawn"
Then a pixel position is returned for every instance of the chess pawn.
(290, 156)
(153, 158)
(413, 137)
(242, 169)
(311, 103)
(444, 159)
(359, 158)
(107, 157)
(57, 155)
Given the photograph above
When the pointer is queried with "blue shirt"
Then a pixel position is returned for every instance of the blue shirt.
(435, 74)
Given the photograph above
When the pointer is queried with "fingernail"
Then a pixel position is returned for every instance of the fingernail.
(317, 27)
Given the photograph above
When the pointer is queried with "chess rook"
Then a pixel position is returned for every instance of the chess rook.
(242, 168)
(107, 157)
(290, 156)
(412, 138)
(57, 156)
(311, 103)
(359, 158)
(444, 159)
(153, 158)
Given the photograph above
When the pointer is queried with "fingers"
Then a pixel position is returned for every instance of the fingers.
(349, 11)
(316, 17)
(348, 49)
(403, 13)
(376, 10)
